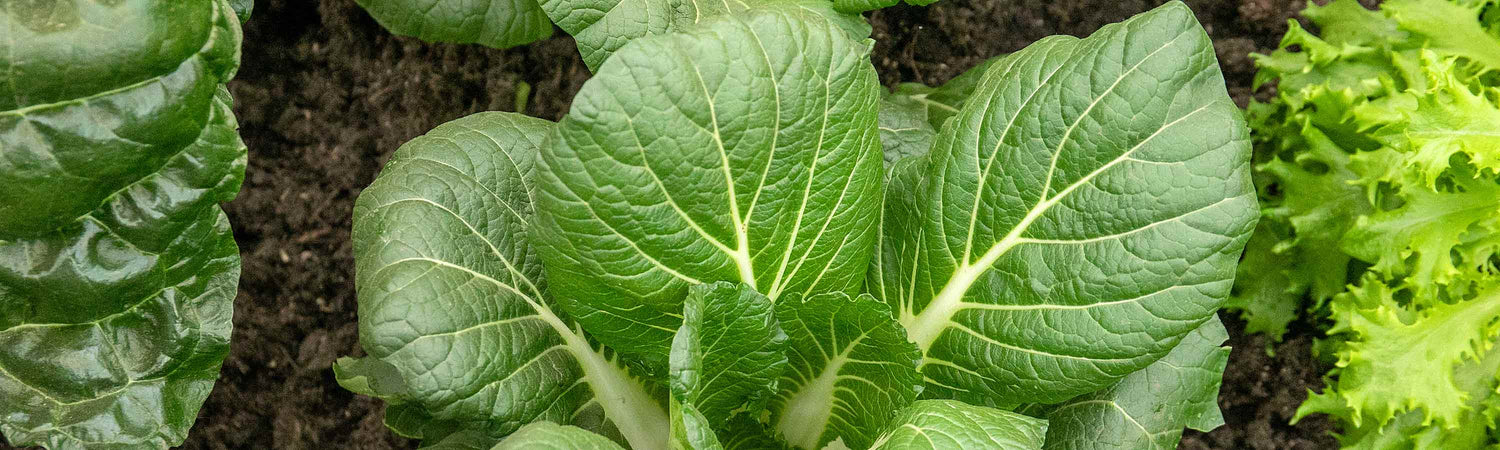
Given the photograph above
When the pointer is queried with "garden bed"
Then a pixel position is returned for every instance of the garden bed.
(325, 95)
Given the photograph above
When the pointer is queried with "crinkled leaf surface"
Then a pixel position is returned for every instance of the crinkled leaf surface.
(1081, 214)
(943, 424)
(940, 103)
(729, 352)
(117, 267)
(851, 369)
(551, 436)
(1149, 408)
(690, 430)
(602, 27)
(904, 130)
(454, 301)
(744, 150)
(492, 23)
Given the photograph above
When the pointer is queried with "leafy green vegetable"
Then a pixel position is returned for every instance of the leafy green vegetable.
(851, 369)
(117, 267)
(547, 435)
(682, 261)
(602, 27)
(1376, 160)
(940, 424)
(492, 23)
(1034, 258)
(1149, 408)
(729, 351)
(447, 220)
(684, 161)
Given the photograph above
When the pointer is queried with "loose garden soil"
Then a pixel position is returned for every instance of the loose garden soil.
(325, 95)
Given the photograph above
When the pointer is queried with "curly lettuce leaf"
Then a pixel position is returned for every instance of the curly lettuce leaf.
(118, 270)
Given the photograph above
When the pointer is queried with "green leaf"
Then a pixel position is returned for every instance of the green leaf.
(729, 352)
(1263, 293)
(551, 436)
(747, 433)
(491, 23)
(943, 424)
(690, 430)
(851, 369)
(118, 269)
(453, 302)
(1081, 214)
(685, 161)
(602, 27)
(242, 9)
(1388, 341)
(904, 130)
(1149, 408)
(944, 101)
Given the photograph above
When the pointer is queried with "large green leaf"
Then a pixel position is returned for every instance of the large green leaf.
(602, 27)
(492, 23)
(1081, 213)
(744, 150)
(117, 267)
(1149, 408)
(944, 424)
(551, 436)
(851, 369)
(453, 306)
(729, 352)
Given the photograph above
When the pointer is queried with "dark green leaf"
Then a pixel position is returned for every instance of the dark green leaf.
(1081, 214)
(118, 270)
(947, 424)
(492, 23)
(453, 303)
(743, 150)
(1149, 408)
(851, 369)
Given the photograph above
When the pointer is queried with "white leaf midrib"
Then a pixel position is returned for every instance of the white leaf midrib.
(924, 327)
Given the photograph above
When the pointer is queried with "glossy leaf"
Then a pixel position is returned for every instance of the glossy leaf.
(453, 302)
(851, 369)
(1149, 408)
(944, 424)
(1081, 214)
(684, 161)
(117, 268)
(492, 23)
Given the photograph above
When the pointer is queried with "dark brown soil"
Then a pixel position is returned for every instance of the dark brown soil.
(325, 95)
